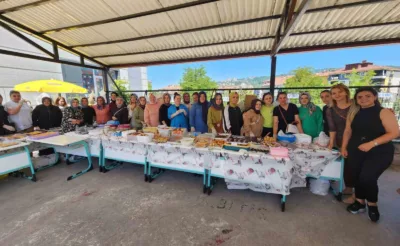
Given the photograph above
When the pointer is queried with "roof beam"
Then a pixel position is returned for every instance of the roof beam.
(264, 53)
(132, 16)
(341, 45)
(26, 39)
(273, 17)
(26, 6)
(188, 47)
(250, 54)
(290, 27)
(41, 58)
(35, 33)
(251, 39)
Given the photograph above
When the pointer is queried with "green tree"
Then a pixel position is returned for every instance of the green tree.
(196, 79)
(150, 85)
(122, 86)
(305, 77)
(356, 79)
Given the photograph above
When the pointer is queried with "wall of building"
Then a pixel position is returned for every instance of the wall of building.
(16, 70)
(137, 78)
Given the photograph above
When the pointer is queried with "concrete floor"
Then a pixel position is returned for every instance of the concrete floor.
(119, 208)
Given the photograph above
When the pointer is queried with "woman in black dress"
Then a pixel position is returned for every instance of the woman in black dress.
(285, 114)
(367, 145)
(163, 111)
(233, 120)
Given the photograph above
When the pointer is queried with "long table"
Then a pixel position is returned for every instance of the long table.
(15, 158)
(64, 143)
(241, 170)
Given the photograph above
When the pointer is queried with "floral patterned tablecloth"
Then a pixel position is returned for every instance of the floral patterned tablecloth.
(265, 173)
(241, 170)
(119, 148)
(182, 157)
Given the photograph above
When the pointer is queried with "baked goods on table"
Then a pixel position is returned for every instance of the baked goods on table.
(5, 144)
(202, 142)
(160, 139)
(153, 130)
(218, 143)
(43, 135)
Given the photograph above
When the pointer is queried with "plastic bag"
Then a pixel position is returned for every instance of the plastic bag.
(322, 140)
(303, 138)
(319, 186)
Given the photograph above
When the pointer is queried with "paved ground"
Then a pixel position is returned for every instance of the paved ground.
(119, 208)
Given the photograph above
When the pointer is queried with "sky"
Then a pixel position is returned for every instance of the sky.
(165, 75)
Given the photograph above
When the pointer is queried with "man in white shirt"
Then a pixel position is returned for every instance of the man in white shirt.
(19, 112)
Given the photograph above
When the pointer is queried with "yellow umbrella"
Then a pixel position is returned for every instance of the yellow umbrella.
(50, 86)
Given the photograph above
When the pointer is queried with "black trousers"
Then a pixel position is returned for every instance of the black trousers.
(267, 130)
(347, 174)
(366, 167)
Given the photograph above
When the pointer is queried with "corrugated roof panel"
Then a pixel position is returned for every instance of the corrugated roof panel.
(128, 7)
(167, 42)
(129, 59)
(168, 3)
(43, 17)
(116, 31)
(197, 16)
(252, 30)
(325, 3)
(200, 52)
(14, 3)
(152, 24)
(136, 46)
(62, 13)
(360, 34)
(99, 50)
(204, 37)
(235, 10)
(362, 15)
(77, 36)
(394, 14)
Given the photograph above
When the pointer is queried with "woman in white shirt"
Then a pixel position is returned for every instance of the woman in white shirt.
(19, 112)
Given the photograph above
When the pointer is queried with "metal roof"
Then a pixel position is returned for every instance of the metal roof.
(120, 33)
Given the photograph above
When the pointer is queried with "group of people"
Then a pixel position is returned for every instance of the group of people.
(360, 128)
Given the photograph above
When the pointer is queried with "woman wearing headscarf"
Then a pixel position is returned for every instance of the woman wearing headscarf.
(310, 115)
(89, 114)
(46, 115)
(163, 112)
(120, 112)
(215, 113)
(199, 113)
(151, 111)
(178, 113)
(233, 120)
(138, 114)
(253, 120)
(72, 116)
(186, 100)
(5, 126)
(102, 111)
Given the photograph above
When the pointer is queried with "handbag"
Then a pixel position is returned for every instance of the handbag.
(290, 128)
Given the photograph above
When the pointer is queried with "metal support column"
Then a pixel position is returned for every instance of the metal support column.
(272, 77)
(105, 83)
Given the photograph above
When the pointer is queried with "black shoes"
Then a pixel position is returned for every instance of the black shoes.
(373, 213)
(356, 207)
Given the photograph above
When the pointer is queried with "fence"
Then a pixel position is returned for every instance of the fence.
(389, 96)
